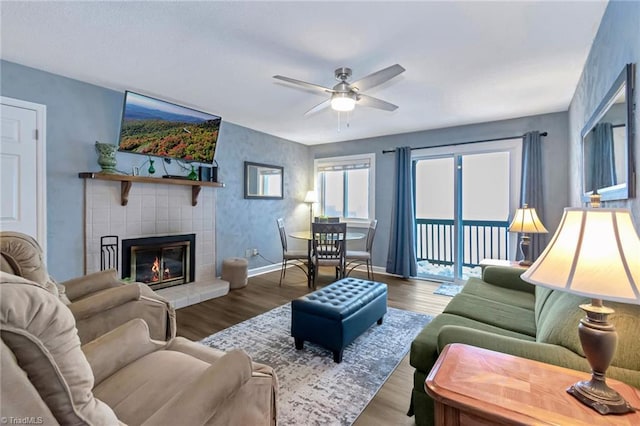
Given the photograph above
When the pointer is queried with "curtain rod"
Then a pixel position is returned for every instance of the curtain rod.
(387, 151)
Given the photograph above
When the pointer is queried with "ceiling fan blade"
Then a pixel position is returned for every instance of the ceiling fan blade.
(378, 77)
(315, 87)
(322, 105)
(372, 102)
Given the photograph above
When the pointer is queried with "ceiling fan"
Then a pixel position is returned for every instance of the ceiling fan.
(345, 95)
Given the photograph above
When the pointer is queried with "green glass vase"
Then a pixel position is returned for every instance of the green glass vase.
(192, 174)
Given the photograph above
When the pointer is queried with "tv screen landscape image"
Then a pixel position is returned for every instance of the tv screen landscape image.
(163, 129)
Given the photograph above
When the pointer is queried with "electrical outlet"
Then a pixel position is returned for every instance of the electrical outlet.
(255, 252)
(247, 253)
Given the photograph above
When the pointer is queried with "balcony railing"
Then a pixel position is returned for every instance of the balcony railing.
(480, 239)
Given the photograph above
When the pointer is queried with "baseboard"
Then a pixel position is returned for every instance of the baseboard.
(265, 269)
(380, 270)
(276, 267)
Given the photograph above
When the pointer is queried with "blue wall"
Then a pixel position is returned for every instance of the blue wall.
(78, 114)
(243, 224)
(617, 43)
(555, 158)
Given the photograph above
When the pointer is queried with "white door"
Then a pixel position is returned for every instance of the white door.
(22, 173)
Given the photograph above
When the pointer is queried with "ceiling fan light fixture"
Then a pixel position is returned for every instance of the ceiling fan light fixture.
(345, 94)
(343, 102)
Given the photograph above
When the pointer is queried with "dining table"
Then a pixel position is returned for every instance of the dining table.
(308, 235)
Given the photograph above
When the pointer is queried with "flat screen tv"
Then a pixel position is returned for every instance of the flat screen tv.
(163, 129)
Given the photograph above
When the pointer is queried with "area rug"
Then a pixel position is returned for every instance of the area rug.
(313, 389)
(448, 289)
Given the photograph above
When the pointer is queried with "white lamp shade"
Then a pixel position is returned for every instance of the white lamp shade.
(311, 197)
(343, 102)
(594, 253)
(526, 220)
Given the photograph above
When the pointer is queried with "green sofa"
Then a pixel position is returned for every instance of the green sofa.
(501, 312)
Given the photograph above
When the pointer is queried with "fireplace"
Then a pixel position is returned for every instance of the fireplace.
(160, 262)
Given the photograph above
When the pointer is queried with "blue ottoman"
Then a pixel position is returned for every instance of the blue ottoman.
(336, 315)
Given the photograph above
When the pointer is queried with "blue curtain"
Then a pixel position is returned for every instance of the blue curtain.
(401, 259)
(531, 186)
(603, 163)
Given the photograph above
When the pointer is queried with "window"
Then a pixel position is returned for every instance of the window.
(345, 187)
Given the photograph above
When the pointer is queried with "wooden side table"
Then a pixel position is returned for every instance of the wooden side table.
(474, 386)
(501, 262)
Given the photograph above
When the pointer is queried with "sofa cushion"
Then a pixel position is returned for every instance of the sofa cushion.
(424, 348)
(105, 354)
(86, 285)
(22, 256)
(558, 320)
(151, 382)
(507, 277)
(561, 316)
(542, 294)
(477, 287)
(502, 315)
(40, 331)
(19, 396)
(626, 319)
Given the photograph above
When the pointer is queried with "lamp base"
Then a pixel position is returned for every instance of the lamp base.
(597, 395)
(599, 340)
(525, 241)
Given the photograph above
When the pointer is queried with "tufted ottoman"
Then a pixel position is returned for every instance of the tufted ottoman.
(336, 315)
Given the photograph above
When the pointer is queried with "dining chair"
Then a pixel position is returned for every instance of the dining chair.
(355, 258)
(287, 255)
(325, 219)
(328, 247)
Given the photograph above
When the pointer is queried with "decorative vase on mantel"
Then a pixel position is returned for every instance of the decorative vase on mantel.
(107, 157)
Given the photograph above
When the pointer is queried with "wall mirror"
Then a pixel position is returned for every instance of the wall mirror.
(263, 181)
(607, 143)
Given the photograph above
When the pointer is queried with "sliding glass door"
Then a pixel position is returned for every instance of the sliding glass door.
(434, 179)
(463, 201)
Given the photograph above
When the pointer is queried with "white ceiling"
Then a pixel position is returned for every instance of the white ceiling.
(466, 62)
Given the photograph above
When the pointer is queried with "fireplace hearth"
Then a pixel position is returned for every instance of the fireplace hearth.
(161, 261)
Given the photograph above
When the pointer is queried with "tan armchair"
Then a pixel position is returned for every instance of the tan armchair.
(123, 377)
(99, 302)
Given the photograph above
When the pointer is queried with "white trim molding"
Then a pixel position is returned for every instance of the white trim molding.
(41, 164)
(369, 159)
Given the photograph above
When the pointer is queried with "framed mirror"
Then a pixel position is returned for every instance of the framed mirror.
(607, 143)
(263, 181)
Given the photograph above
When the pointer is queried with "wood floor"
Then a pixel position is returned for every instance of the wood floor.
(262, 294)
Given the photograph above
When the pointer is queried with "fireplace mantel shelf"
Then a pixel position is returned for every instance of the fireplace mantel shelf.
(126, 182)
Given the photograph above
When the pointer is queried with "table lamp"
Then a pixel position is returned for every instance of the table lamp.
(594, 253)
(311, 198)
(526, 221)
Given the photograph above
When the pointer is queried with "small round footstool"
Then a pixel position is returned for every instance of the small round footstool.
(234, 270)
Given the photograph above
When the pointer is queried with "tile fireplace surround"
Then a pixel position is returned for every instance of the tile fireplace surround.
(153, 210)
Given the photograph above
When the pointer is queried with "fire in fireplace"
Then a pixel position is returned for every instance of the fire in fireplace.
(160, 262)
